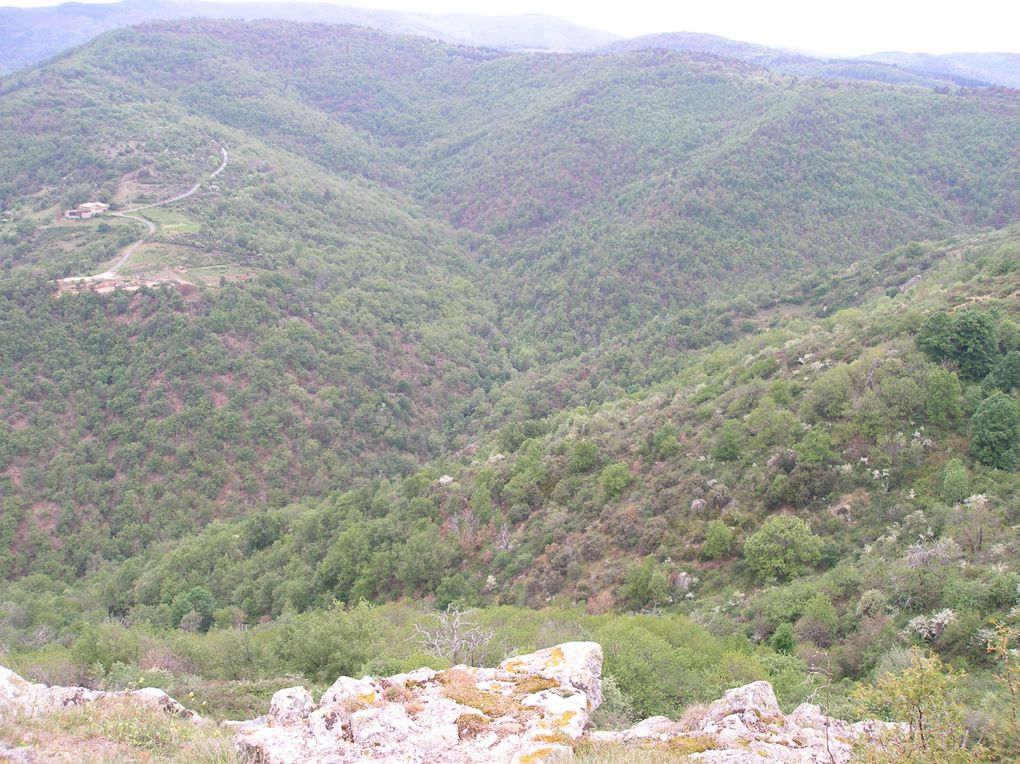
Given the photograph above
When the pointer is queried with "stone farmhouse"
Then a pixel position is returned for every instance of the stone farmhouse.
(86, 211)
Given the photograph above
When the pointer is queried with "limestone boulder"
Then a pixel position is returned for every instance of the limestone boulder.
(290, 706)
(33, 699)
(659, 728)
(352, 691)
(573, 664)
(382, 725)
(747, 726)
(530, 709)
(755, 701)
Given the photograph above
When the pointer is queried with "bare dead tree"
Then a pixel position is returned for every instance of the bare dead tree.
(504, 538)
(453, 636)
(467, 525)
(826, 675)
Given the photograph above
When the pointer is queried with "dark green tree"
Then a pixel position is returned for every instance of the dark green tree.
(975, 343)
(995, 432)
(197, 600)
(816, 448)
(645, 585)
(782, 548)
(718, 541)
(944, 399)
(968, 338)
(954, 486)
(665, 442)
(783, 639)
(1006, 374)
(729, 442)
(584, 457)
(935, 337)
(615, 478)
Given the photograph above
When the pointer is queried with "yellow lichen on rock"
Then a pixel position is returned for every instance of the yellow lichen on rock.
(537, 756)
(514, 666)
(556, 657)
(565, 718)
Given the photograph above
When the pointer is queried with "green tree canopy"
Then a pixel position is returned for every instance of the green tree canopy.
(1006, 374)
(943, 402)
(995, 432)
(645, 584)
(782, 548)
(199, 601)
(718, 541)
(954, 485)
(615, 478)
(969, 338)
(729, 442)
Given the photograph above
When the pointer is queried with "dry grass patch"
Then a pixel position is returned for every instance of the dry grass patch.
(116, 730)
(693, 716)
(460, 686)
(590, 752)
(471, 725)
(532, 684)
(396, 693)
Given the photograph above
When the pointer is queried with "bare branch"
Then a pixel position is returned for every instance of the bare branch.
(453, 636)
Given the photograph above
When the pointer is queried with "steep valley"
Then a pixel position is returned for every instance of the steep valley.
(715, 366)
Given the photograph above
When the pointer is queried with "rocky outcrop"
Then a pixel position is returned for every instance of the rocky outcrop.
(18, 694)
(528, 710)
(746, 726)
(532, 708)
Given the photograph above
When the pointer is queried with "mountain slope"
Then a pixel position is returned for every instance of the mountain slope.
(653, 500)
(340, 323)
(413, 244)
(728, 165)
(655, 167)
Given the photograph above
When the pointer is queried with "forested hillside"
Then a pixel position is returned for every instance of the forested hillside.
(406, 228)
(818, 498)
(858, 422)
(637, 331)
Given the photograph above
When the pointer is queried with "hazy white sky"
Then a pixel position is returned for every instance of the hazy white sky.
(845, 28)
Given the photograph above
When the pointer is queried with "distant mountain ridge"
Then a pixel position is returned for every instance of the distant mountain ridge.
(31, 35)
(962, 69)
(996, 68)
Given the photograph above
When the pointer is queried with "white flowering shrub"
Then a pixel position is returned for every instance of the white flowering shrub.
(929, 628)
(927, 552)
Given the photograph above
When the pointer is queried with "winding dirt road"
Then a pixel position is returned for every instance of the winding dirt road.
(130, 249)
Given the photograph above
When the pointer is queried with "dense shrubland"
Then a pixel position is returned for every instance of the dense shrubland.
(658, 664)
(814, 488)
